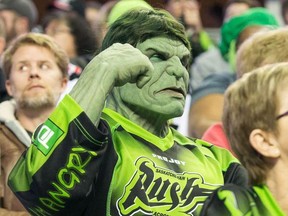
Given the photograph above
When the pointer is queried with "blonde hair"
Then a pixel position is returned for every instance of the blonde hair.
(262, 48)
(37, 39)
(252, 102)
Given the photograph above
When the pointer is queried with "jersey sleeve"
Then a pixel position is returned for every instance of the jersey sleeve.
(55, 175)
(229, 200)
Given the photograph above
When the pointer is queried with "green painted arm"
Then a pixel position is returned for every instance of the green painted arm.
(115, 66)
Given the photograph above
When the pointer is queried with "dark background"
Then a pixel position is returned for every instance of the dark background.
(211, 10)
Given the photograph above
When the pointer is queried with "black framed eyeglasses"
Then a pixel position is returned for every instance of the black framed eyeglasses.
(282, 115)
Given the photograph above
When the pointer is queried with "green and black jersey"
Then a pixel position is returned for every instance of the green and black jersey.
(118, 168)
(235, 200)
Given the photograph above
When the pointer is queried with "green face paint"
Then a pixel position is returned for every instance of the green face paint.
(164, 95)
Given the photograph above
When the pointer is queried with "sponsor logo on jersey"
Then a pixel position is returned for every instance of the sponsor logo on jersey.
(158, 191)
(169, 160)
(47, 136)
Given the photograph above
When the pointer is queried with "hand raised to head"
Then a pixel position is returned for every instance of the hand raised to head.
(128, 64)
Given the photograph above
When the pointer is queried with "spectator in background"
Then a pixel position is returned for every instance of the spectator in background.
(206, 104)
(256, 123)
(209, 62)
(188, 13)
(74, 34)
(260, 49)
(207, 99)
(102, 21)
(66, 23)
(237, 7)
(68, 6)
(212, 61)
(19, 16)
(36, 74)
(202, 66)
(92, 14)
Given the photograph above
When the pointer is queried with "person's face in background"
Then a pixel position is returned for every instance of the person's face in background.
(187, 12)
(282, 125)
(9, 18)
(35, 79)
(61, 33)
(177, 7)
(235, 9)
(14, 24)
(92, 16)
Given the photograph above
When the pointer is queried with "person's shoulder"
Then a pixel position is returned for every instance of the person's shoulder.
(236, 193)
(236, 189)
(209, 62)
(218, 82)
(213, 84)
(212, 52)
(224, 77)
(228, 200)
(232, 199)
(7, 110)
(211, 55)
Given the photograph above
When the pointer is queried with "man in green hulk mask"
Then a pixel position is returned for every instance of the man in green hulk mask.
(107, 149)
